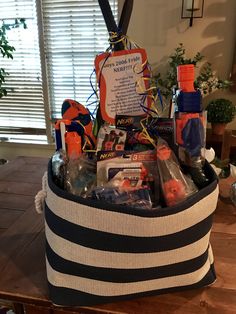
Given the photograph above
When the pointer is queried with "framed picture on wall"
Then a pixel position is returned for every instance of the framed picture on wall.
(233, 73)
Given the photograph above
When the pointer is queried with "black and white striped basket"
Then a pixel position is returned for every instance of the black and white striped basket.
(99, 253)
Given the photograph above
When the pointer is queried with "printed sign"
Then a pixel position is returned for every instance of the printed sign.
(120, 76)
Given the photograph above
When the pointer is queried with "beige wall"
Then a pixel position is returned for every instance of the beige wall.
(157, 26)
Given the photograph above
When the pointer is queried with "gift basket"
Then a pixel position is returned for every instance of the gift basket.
(128, 196)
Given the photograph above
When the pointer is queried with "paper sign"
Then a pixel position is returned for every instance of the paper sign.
(120, 76)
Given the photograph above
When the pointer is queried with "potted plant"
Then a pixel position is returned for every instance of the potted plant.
(220, 112)
(207, 81)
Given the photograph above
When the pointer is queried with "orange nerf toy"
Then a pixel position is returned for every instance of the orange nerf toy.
(75, 111)
(174, 185)
(73, 145)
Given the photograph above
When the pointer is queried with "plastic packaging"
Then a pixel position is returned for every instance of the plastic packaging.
(59, 161)
(129, 171)
(139, 198)
(175, 185)
(81, 176)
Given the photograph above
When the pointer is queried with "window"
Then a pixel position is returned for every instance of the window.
(71, 33)
(22, 111)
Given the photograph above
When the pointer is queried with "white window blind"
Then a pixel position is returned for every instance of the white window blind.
(22, 115)
(74, 32)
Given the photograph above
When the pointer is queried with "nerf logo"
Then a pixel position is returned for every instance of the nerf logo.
(107, 155)
(124, 121)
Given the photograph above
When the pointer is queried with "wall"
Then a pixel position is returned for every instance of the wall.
(157, 26)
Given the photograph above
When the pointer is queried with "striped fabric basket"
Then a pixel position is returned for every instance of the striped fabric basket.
(99, 253)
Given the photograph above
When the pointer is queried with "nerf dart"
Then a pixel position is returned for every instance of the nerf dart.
(63, 132)
(175, 186)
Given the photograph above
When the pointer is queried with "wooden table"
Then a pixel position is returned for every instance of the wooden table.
(22, 261)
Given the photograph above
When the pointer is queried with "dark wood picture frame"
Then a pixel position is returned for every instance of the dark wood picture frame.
(233, 73)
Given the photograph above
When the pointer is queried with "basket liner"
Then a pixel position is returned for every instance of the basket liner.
(98, 252)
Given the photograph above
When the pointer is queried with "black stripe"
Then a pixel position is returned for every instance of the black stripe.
(70, 297)
(121, 243)
(123, 275)
(138, 212)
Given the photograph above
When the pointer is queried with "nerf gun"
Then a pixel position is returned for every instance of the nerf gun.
(127, 176)
(74, 130)
(190, 121)
(69, 137)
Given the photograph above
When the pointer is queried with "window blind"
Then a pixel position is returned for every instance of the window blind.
(74, 32)
(22, 115)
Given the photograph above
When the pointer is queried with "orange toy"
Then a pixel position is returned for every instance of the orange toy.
(174, 191)
(163, 152)
(185, 77)
(180, 122)
(73, 110)
(73, 145)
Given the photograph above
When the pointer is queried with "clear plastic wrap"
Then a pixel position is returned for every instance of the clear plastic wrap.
(139, 198)
(81, 176)
(59, 161)
(175, 185)
(130, 171)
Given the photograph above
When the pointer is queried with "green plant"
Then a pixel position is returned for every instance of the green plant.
(220, 111)
(224, 165)
(6, 49)
(206, 81)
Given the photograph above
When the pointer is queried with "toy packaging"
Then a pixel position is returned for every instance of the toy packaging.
(110, 139)
(175, 185)
(129, 197)
(129, 172)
